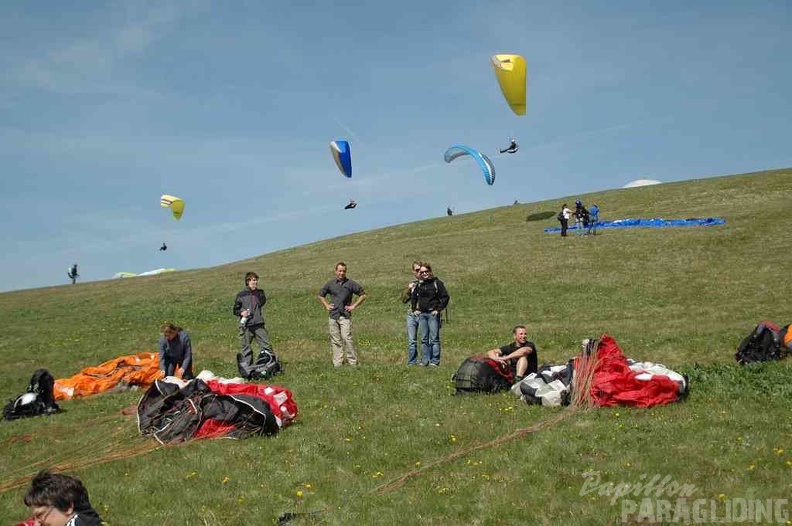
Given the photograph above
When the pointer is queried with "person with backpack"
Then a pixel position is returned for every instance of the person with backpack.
(72, 273)
(412, 319)
(175, 351)
(341, 290)
(249, 307)
(519, 355)
(563, 218)
(429, 299)
(59, 500)
(581, 218)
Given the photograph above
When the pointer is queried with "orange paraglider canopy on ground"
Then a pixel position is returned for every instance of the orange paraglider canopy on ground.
(117, 374)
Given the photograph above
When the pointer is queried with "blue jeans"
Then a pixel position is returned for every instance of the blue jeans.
(412, 339)
(429, 325)
(592, 229)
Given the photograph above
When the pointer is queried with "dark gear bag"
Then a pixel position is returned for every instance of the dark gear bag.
(762, 345)
(38, 400)
(479, 374)
(266, 366)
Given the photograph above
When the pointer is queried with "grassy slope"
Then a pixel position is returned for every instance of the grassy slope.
(683, 297)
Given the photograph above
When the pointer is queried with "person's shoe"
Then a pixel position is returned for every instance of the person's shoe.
(434, 365)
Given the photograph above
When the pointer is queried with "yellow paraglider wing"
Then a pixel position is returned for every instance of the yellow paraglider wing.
(174, 203)
(511, 71)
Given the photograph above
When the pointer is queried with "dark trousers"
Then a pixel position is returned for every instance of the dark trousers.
(564, 226)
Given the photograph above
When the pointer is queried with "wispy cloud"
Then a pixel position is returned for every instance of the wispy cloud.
(85, 65)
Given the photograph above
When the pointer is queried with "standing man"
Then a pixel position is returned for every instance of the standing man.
(428, 302)
(249, 306)
(519, 355)
(412, 319)
(593, 219)
(341, 290)
(72, 273)
(563, 218)
(581, 218)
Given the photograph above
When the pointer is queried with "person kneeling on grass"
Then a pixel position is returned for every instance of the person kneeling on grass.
(59, 500)
(519, 355)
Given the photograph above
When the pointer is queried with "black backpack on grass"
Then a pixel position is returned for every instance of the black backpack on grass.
(479, 374)
(38, 400)
(762, 345)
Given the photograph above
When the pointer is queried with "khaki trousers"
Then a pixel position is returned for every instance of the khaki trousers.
(340, 336)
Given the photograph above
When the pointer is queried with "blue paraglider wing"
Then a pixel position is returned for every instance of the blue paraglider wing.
(459, 150)
(342, 156)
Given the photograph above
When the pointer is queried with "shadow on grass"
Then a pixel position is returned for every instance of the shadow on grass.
(538, 216)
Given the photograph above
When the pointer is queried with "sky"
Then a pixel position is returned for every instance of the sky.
(104, 106)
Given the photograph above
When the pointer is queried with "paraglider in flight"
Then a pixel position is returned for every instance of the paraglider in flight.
(72, 273)
(174, 203)
(449, 212)
(511, 73)
(512, 148)
(342, 156)
(352, 204)
(164, 247)
(459, 150)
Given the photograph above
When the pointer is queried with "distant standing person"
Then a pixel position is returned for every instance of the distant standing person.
(428, 302)
(520, 354)
(341, 290)
(593, 219)
(412, 319)
(249, 307)
(581, 218)
(175, 351)
(563, 218)
(59, 500)
(72, 273)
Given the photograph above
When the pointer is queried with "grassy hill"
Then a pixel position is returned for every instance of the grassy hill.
(684, 297)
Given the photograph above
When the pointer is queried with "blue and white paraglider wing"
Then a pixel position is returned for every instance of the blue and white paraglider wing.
(342, 156)
(460, 150)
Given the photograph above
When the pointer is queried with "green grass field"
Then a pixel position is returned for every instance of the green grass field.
(684, 297)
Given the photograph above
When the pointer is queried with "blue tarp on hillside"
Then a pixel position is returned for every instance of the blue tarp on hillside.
(650, 223)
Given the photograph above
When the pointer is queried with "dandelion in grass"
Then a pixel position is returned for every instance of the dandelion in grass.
(752, 467)
(307, 486)
(225, 480)
(191, 474)
(417, 463)
(722, 497)
(299, 494)
(739, 439)
(348, 439)
(241, 500)
(378, 475)
(452, 439)
(778, 451)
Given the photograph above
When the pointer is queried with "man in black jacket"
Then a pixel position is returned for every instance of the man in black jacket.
(249, 306)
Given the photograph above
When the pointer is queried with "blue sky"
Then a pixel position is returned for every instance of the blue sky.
(104, 106)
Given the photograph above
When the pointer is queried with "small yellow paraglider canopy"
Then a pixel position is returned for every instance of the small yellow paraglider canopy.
(174, 203)
(511, 73)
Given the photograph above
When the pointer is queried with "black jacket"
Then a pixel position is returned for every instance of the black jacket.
(429, 295)
(245, 301)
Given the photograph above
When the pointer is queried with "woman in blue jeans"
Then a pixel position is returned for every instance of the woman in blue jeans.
(429, 299)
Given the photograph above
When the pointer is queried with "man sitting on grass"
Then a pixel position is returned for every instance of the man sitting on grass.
(520, 355)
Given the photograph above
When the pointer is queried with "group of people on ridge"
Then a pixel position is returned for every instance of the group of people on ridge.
(586, 220)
